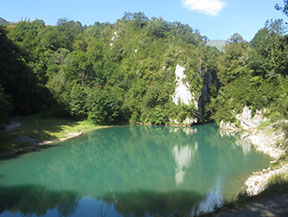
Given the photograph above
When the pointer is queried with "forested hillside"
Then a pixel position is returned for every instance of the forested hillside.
(125, 71)
(254, 74)
(105, 72)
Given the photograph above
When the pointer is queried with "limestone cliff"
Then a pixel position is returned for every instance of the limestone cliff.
(183, 95)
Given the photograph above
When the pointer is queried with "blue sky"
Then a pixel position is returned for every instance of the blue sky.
(216, 19)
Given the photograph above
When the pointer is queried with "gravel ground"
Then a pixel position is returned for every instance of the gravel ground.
(276, 205)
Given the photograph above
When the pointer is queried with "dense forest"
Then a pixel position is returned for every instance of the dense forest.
(112, 73)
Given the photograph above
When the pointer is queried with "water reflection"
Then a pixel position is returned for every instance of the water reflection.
(186, 130)
(244, 143)
(147, 203)
(36, 200)
(242, 140)
(129, 171)
(213, 199)
(183, 156)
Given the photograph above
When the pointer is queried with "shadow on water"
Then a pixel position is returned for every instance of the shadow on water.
(33, 199)
(148, 203)
(30, 149)
(28, 200)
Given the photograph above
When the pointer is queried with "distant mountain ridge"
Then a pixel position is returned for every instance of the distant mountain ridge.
(3, 21)
(217, 43)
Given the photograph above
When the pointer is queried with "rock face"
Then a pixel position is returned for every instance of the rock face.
(264, 140)
(247, 121)
(182, 93)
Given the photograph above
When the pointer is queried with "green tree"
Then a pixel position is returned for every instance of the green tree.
(71, 29)
(232, 61)
(78, 98)
(104, 106)
(270, 50)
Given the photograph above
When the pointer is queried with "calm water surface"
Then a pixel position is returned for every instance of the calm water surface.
(129, 171)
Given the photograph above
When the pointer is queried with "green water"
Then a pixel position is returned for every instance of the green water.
(129, 171)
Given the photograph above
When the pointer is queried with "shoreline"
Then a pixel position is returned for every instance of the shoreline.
(72, 135)
(254, 184)
(47, 143)
(264, 140)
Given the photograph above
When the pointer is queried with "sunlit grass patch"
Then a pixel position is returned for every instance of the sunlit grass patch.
(42, 128)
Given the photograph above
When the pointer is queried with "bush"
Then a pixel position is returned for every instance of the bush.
(103, 106)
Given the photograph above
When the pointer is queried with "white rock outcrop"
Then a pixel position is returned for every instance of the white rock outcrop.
(247, 121)
(257, 182)
(190, 121)
(182, 93)
(264, 140)
(228, 126)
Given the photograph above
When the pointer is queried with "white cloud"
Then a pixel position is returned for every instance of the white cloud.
(209, 7)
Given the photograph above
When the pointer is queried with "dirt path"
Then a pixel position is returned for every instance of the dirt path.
(276, 205)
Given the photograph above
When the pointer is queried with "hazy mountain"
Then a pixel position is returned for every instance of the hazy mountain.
(217, 43)
(2, 21)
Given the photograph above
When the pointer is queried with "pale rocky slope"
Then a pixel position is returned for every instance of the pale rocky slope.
(267, 140)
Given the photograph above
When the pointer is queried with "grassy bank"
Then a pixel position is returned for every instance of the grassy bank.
(41, 128)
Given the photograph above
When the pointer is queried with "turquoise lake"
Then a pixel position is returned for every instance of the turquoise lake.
(129, 171)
